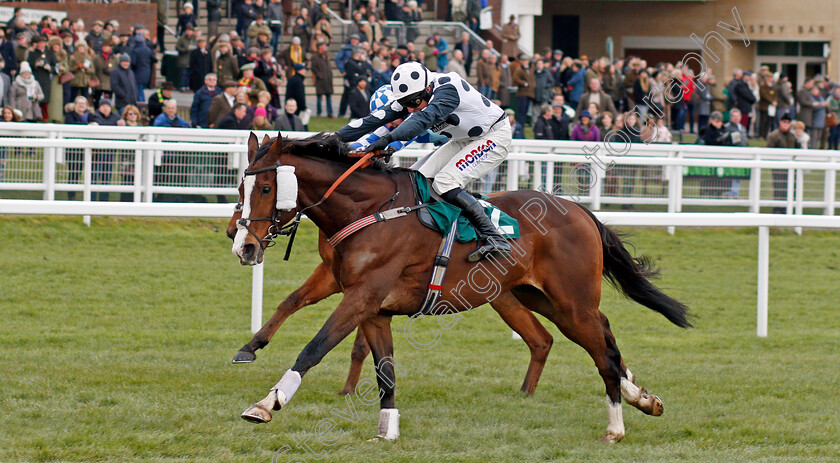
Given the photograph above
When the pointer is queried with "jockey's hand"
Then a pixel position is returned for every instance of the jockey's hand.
(380, 144)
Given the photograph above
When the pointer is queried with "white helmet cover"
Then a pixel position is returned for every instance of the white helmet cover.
(408, 79)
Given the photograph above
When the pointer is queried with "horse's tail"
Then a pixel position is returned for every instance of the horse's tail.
(630, 275)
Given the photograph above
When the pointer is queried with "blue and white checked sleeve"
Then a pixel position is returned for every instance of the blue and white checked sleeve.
(427, 137)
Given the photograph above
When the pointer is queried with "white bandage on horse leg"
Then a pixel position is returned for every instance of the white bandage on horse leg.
(615, 420)
(631, 393)
(389, 424)
(286, 387)
(287, 188)
(241, 232)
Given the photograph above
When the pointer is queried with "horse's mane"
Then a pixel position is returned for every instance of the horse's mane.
(320, 146)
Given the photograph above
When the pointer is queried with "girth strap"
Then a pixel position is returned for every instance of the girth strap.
(383, 216)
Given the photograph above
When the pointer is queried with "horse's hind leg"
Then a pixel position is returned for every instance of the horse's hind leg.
(361, 349)
(320, 285)
(633, 394)
(536, 337)
(578, 318)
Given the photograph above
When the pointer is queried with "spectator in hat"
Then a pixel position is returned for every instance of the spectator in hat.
(95, 38)
(227, 66)
(7, 52)
(560, 121)
(186, 43)
(431, 55)
(323, 74)
(5, 85)
(744, 98)
(202, 100)
(714, 133)
(81, 65)
(524, 79)
(142, 60)
(26, 94)
(250, 84)
(783, 137)
(256, 28)
(169, 116)
(57, 88)
(295, 87)
(42, 62)
(510, 37)
(158, 98)
(260, 121)
(124, 84)
(585, 130)
(359, 100)
(222, 103)
(103, 160)
(288, 121)
(236, 118)
(187, 18)
(293, 54)
(200, 64)
(103, 64)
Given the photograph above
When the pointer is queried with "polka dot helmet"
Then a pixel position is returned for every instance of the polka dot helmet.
(408, 79)
(381, 97)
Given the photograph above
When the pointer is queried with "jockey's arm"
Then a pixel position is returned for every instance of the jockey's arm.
(360, 127)
(443, 102)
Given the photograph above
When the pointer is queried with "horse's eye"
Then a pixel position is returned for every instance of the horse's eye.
(265, 190)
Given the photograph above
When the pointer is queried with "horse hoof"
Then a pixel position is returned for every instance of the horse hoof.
(611, 437)
(381, 438)
(256, 414)
(244, 356)
(347, 390)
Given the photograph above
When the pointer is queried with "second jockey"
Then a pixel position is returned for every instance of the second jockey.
(479, 133)
(383, 96)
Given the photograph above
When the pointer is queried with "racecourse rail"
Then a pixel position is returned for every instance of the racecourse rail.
(35, 159)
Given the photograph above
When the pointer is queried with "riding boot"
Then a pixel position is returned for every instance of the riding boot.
(491, 241)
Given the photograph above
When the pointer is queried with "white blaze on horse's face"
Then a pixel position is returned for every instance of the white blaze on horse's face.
(241, 232)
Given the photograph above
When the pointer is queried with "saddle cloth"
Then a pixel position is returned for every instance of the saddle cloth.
(439, 215)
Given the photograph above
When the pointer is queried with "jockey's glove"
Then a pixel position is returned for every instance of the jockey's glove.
(380, 144)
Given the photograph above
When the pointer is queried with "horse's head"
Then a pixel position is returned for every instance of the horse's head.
(261, 213)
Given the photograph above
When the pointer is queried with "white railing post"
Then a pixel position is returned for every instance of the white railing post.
(763, 280)
(88, 179)
(791, 179)
(675, 186)
(755, 189)
(138, 177)
(830, 191)
(148, 173)
(49, 170)
(597, 189)
(549, 176)
(256, 297)
(800, 195)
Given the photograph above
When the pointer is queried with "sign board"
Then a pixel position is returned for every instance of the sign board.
(29, 14)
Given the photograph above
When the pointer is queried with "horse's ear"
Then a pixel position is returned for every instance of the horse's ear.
(265, 139)
(278, 143)
(253, 146)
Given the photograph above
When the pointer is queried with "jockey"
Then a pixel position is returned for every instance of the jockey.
(479, 132)
(382, 97)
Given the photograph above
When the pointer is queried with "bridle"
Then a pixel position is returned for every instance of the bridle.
(275, 227)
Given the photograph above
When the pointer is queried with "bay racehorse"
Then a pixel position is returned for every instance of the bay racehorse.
(322, 284)
(556, 270)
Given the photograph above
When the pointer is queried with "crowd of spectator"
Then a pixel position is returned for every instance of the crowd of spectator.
(246, 78)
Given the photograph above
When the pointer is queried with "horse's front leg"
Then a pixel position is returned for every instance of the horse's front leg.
(377, 330)
(358, 304)
(320, 285)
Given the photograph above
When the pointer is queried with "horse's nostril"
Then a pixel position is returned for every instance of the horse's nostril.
(248, 251)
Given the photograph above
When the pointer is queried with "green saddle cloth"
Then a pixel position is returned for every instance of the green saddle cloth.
(443, 214)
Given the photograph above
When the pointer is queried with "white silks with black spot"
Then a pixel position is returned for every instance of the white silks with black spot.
(287, 188)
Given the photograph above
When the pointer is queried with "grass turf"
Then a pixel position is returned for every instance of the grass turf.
(117, 340)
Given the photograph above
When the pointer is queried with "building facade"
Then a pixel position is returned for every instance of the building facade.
(800, 38)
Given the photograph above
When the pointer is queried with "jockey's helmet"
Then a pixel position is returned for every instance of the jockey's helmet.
(409, 84)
